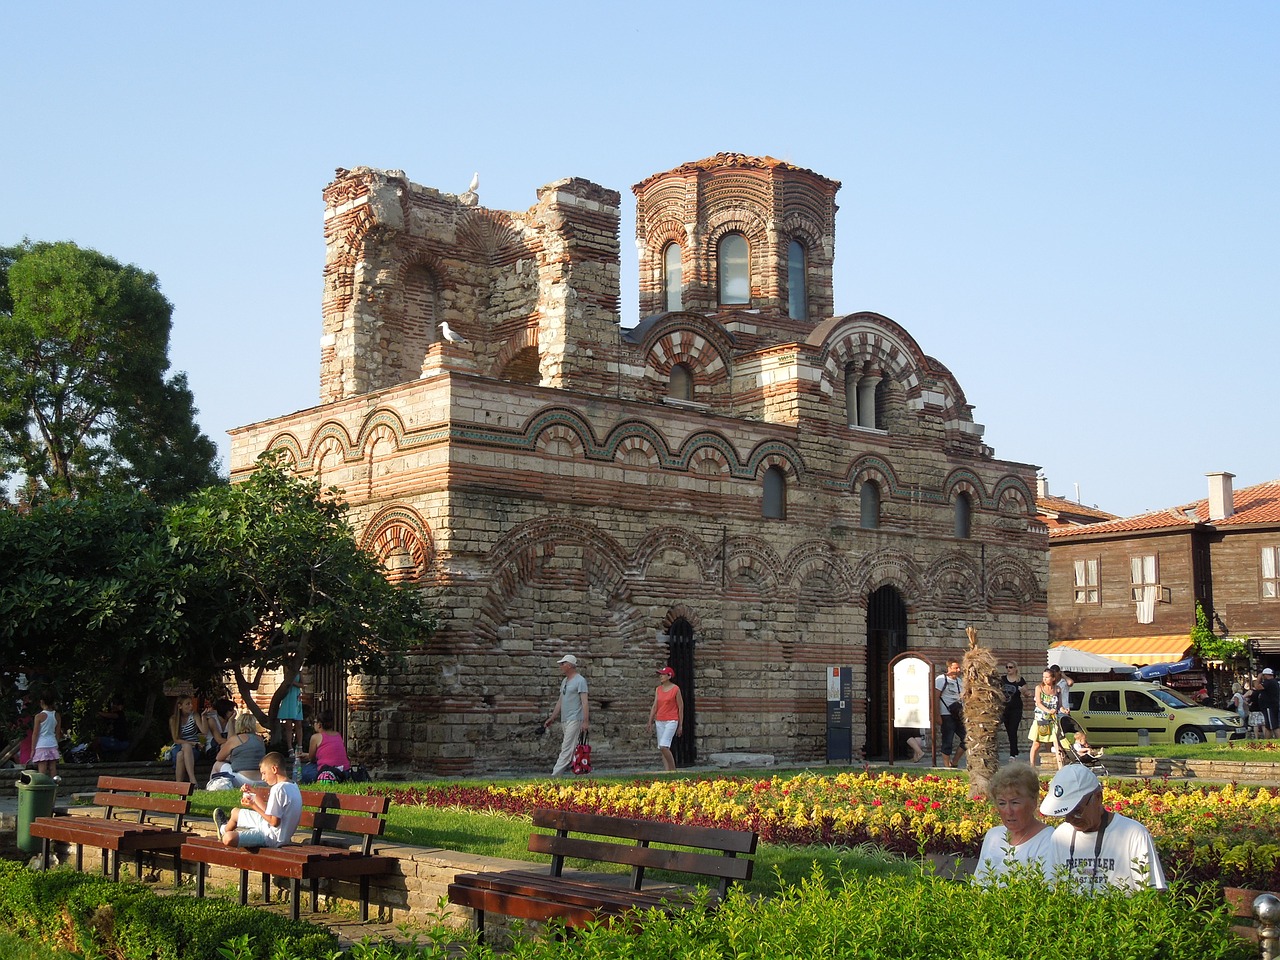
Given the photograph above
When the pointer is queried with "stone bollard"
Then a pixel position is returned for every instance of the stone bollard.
(1266, 911)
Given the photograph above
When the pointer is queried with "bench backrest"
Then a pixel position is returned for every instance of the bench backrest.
(144, 796)
(349, 813)
(723, 864)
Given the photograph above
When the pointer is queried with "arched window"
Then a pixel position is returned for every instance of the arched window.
(850, 395)
(964, 516)
(775, 494)
(870, 506)
(680, 387)
(797, 287)
(672, 277)
(734, 269)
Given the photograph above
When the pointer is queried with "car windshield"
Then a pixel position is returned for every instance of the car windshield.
(1171, 698)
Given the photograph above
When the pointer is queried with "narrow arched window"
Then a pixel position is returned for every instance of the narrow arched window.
(672, 277)
(797, 287)
(734, 269)
(850, 395)
(964, 516)
(870, 506)
(680, 386)
(775, 494)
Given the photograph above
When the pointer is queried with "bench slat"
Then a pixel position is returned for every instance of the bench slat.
(678, 834)
(129, 801)
(341, 823)
(146, 786)
(681, 861)
(568, 890)
(525, 908)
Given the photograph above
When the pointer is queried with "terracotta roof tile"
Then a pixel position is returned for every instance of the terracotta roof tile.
(1050, 504)
(1257, 504)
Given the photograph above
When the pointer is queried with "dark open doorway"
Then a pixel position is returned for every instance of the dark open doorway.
(680, 658)
(886, 638)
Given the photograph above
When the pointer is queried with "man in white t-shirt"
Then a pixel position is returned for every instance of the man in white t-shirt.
(950, 689)
(1098, 847)
(572, 709)
(263, 823)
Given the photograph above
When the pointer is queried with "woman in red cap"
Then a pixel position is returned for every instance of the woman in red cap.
(667, 715)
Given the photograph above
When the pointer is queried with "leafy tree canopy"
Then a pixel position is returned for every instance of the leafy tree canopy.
(87, 604)
(275, 579)
(84, 402)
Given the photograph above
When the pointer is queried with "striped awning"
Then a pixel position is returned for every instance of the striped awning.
(1136, 651)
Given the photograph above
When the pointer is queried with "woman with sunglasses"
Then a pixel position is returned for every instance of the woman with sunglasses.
(1011, 685)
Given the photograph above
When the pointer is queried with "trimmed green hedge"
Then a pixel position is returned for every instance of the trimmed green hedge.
(97, 917)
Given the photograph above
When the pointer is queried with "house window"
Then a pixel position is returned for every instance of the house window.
(1086, 581)
(964, 516)
(1144, 586)
(681, 385)
(734, 269)
(1270, 577)
(870, 506)
(797, 289)
(672, 277)
(775, 494)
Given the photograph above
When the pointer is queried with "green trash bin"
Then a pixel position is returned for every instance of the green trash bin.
(35, 799)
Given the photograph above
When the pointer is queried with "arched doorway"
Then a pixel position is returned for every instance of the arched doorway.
(886, 638)
(680, 658)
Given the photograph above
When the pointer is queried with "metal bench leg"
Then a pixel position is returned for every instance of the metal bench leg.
(44, 853)
(295, 894)
(115, 866)
(244, 888)
(315, 894)
(266, 888)
(364, 899)
(479, 926)
(177, 867)
(200, 869)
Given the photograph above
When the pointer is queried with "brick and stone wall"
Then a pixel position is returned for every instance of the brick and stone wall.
(581, 509)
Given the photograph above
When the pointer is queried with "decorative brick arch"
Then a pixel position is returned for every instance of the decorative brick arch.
(954, 573)
(871, 467)
(402, 542)
(517, 559)
(1015, 489)
(522, 340)
(774, 453)
(751, 560)
(1012, 586)
(888, 568)
(683, 612)
(706, 360)
(817, 556)
(964, 480)
(679, 539)
(325, 456)
(289, 446)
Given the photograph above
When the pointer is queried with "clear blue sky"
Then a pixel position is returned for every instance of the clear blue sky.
(1075, 207)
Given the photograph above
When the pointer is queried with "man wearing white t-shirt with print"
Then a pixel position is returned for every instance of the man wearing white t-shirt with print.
(1097, 846)
(572, 709)
(263, 823)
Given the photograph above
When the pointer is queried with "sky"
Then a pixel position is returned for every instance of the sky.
(1075, 207)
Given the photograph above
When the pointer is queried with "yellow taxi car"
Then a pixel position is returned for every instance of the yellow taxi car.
(1112, 712)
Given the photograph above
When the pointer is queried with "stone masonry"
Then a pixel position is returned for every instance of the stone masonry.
(558, 483)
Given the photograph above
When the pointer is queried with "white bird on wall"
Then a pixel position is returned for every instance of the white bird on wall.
(449, 334)
(475, 182)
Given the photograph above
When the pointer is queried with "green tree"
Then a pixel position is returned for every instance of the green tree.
(84, 401)
(87, 603)
(275, 580)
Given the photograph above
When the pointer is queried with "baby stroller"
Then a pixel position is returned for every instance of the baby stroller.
(1089, 757)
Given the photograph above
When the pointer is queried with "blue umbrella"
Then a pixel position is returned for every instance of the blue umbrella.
(1157, 670)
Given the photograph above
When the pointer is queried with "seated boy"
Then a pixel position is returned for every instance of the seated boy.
(1083, 748)
(263, 824)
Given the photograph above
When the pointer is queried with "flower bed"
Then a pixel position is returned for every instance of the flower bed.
(1223, 834)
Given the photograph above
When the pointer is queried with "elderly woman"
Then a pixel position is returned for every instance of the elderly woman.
(1021, 837)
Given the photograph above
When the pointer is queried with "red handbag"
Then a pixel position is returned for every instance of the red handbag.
(582, 755)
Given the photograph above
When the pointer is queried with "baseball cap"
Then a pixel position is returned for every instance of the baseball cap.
(666, 672)
(1070, 785)
(1269, 671)
(568, 658)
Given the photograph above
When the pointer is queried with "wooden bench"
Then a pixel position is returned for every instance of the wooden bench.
(115, 835)
(322, 856)
(580, 899)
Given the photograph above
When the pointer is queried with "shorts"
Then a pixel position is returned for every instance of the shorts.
(254, 831)
(666, 732)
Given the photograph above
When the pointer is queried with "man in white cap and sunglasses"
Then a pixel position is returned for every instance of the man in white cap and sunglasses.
(572, 709)
(1098, 847)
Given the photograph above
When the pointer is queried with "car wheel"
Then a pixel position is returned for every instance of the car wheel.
(1189, 735)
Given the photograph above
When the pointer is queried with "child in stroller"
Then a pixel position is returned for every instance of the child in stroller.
(1084, 752)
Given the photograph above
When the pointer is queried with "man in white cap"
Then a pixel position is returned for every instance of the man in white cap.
(572, 709)
(1270, 702)
(1097, 846)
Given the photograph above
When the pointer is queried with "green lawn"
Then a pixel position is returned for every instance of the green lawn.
(500, 835)
(15, 948)
(1205, 751)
